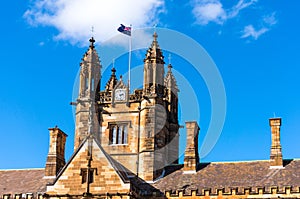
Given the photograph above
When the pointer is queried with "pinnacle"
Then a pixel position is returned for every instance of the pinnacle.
(112, 82)
(154, 52)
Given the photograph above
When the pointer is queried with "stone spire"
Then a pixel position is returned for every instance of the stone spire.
(90, 72)
(90, 75)
(153, 69)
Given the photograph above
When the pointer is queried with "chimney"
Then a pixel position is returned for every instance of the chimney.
(191, 156)
(276, 155)
(56, 155)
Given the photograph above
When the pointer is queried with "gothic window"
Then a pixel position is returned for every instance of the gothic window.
(118, 133)
(93, 86)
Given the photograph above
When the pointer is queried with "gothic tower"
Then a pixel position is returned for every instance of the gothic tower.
(89, 85)
(138, 129)
(156, 116)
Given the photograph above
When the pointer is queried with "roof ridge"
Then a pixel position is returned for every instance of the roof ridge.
(236, 161)
(23, 169)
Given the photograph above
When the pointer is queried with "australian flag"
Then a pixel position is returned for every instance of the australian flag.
(125, 30)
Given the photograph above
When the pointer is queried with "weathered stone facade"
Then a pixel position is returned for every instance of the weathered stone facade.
(126, 146)
(148, 116)
(89, 158)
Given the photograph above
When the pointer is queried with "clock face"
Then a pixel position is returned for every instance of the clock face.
(120, 94)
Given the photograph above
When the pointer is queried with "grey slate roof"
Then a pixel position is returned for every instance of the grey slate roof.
(22, 181)
(216, 175)
(240, 175)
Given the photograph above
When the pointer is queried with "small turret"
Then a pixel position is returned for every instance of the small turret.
(90, 75)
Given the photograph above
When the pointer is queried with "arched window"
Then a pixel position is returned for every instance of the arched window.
(118, 133)
(93, 86)
(125, 134)
(114, 135)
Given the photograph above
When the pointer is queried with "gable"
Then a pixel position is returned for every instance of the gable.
(73, 178)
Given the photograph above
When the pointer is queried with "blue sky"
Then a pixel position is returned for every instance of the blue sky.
(255, 45)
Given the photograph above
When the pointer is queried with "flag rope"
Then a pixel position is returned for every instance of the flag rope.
(129, 59)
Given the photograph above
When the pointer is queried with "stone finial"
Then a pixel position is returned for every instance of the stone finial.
(92, 41)
(276, 155)
(56, 154)
(191, 156)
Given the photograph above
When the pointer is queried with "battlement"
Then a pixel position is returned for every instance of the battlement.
(22, 196)
(240, 192)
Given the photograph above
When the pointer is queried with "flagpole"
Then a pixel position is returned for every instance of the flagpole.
(129, 58)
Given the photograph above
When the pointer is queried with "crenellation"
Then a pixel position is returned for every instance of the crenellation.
(22, 196)
(295, 189)
(259, 192)
(231, 193)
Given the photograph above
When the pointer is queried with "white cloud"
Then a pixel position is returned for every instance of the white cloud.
(242, 4)
(206, 11)
(249, 31)
(270, 19)
(74, 18)
(209, 11)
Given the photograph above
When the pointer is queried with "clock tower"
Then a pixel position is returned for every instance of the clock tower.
(137, 129)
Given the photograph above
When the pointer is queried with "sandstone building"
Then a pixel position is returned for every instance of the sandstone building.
(126, 146)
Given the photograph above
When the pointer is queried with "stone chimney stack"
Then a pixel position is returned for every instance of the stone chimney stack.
(276, 155)
(56, 155)
(191, 156)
